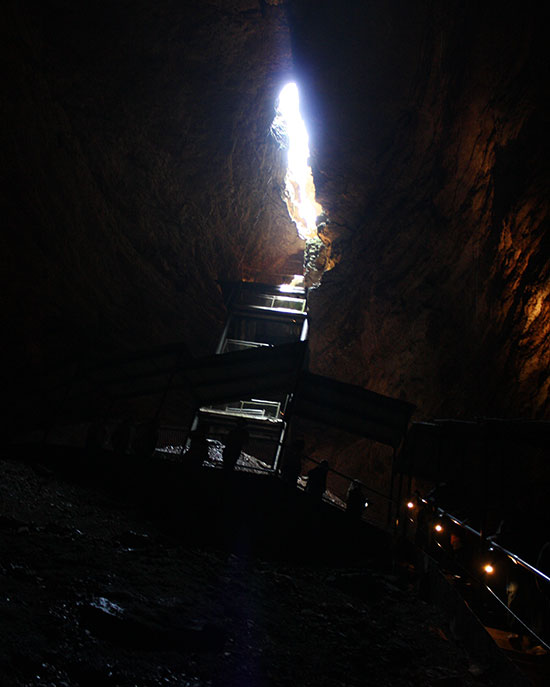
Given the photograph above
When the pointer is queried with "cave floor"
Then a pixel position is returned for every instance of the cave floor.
(93, 593)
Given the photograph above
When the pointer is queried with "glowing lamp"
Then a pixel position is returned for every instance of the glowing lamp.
(410, 505)
(438, 527)
(488, 568)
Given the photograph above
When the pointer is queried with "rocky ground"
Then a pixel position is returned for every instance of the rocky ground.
(94, 593)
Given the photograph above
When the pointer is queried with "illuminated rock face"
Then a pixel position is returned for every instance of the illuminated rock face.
(429, 138)
(141, 170)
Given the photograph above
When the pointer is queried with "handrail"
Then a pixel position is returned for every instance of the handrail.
(271, 470)
(354, 479)
(516, 617)
(490, 546)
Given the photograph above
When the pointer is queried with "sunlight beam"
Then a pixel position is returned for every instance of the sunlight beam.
(300, 190)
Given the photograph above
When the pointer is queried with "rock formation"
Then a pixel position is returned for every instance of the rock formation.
(140, 168)
(429, 141)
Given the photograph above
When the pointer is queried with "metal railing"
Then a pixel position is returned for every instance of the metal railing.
(172, 443)
(519, 589)
(254, 408)
(231, 345)
(286, 303)
(377, 505)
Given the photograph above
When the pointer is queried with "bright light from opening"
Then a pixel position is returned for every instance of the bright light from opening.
(302, 207)
(295, 285)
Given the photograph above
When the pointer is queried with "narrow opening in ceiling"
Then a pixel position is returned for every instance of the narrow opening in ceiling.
(290, 130)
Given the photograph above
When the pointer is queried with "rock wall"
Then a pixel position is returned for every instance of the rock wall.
(139, 169)
(430, 143)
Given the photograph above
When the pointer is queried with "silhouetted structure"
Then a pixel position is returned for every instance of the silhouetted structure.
(292, 462)
(198, 448)
(356, 501)
(235, 441)
(317, 480)
(146, 440)
(122, 436)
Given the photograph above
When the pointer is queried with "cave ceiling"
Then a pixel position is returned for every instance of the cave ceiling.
(139, 169)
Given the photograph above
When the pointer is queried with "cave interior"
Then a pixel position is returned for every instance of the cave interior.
(141, 172)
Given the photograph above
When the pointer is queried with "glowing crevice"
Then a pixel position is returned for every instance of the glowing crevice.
(299, 187)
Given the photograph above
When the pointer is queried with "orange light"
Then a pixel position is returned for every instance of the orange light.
(489, 569)
(410, 505)
(438, 528)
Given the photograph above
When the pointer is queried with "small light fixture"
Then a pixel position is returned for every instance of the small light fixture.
(410, 505)
(438, 527)
(488, 568)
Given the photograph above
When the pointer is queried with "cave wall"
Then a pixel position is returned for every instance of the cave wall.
(429, 138)
(138, 170)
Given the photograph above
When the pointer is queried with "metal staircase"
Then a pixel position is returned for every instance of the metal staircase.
(261, 317)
